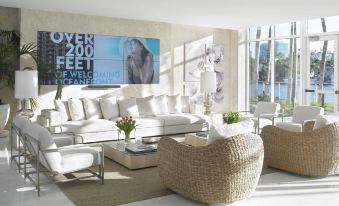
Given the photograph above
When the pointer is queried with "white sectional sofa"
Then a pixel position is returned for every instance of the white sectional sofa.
(94, 120)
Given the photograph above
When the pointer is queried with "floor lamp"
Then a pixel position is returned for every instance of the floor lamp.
(208, 85)
(26, 87)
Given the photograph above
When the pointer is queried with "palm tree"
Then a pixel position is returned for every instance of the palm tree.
(322, 64)
(10, 53)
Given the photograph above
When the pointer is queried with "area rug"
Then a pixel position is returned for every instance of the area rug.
(121, 186)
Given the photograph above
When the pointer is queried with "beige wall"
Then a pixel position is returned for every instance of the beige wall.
(172, 39)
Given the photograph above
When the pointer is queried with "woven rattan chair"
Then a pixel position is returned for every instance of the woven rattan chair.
(310, 153)
(222, 172)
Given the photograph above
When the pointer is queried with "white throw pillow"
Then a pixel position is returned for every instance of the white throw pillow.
(323, 120)
(174, 104)
(76, 109)
(161, 104)
(128, 107)
(109, 107)
(62, 108)
(185, 104)
(92, 108)
(146, 106)
(223, 131)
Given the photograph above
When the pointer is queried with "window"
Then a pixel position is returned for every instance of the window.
(259, 77)
(287, 29)
(287, 73)
(262, 32)
(328, 24)
(284, 88)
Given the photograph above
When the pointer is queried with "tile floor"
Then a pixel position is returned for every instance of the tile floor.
(275, 189)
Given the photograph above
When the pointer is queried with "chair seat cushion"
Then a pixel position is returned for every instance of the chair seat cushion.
(63, 141)
(86, 126)
(290, 126)
(180, 119)
(77, 158)
(262, 122)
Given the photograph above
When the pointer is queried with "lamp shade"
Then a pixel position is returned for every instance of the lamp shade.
(26, 84)
(208, 82)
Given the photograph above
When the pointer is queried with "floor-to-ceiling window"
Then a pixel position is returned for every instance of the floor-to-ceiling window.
(274, 65)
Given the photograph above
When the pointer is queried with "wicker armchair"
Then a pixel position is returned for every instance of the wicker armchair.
(310, 153)
(222, 172)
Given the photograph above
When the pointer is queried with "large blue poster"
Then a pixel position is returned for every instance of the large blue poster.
(98, 59)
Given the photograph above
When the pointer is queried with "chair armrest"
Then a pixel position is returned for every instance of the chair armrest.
(308, 125)
(78, 146)
(53, 117)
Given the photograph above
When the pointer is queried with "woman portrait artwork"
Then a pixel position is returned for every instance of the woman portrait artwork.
(139, 62)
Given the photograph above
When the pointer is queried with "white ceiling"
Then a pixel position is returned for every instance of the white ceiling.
(233, 14)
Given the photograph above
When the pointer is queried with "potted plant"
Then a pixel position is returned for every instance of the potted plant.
(231, 117)
(4, 114)
(126, 125)
(10, 53)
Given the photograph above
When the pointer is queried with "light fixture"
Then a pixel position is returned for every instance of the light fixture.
(26, 87)
(208, 86)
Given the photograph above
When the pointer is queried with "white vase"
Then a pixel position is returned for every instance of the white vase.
(4, 115)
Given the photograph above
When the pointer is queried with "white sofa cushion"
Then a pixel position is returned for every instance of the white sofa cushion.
(86, 126)
(92, 108)
(146, 106)
(185, 104)
(161, 104)
(174, 104)
(223, 131)
(182, 119)
(128, 107)
(146, 121)
(323, 120)
(76, 158)
(109, 107)
(62, 108)
(76, 109)
(290, 126)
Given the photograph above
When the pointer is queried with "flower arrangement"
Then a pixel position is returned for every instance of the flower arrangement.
(231, 117)
(127, 125)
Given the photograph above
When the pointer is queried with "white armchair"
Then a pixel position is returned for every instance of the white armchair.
(61, 160)
(301, 114)
(264, 114)
(21, 125)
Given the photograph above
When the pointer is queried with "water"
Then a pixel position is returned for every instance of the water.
(329, 98)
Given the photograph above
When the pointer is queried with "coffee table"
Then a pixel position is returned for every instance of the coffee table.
(128, 159)
(194, 140)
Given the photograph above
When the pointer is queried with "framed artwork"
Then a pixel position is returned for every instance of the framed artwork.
(192, 89)
(196, 54)
(218, 96)
(93, 59)
(194, 61)
(215, 54)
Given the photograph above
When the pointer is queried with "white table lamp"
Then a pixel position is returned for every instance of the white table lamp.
(208, 85)
(26, 87)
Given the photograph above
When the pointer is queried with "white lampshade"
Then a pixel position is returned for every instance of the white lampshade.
(26, 84)
(208, 82)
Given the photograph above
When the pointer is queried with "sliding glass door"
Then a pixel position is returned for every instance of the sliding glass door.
(322, 72)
